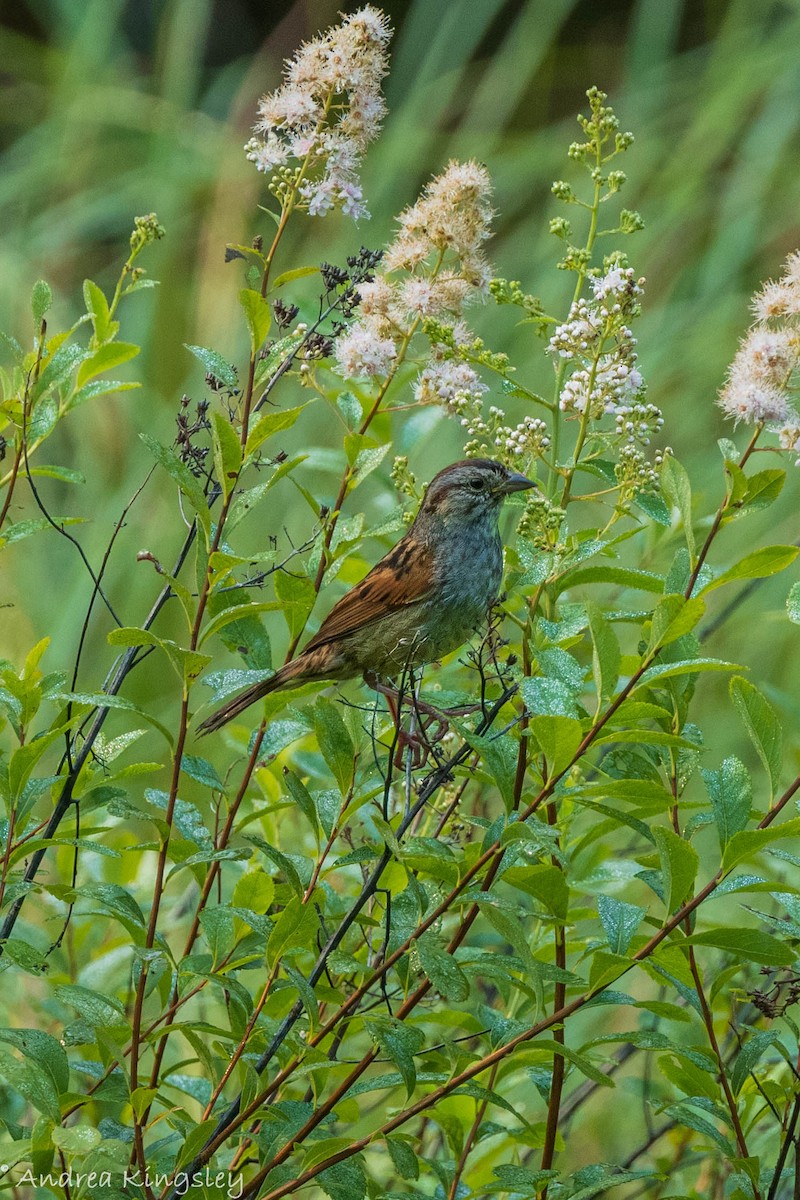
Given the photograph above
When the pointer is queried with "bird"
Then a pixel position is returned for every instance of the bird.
(424, 599)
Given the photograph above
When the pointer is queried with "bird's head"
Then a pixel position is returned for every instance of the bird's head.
(471, 489)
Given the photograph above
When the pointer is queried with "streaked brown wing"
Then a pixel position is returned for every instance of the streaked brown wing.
(403, 577)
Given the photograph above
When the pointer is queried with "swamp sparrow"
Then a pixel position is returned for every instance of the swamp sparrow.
(425, 598)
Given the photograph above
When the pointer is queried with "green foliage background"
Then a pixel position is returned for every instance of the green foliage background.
(115, 110)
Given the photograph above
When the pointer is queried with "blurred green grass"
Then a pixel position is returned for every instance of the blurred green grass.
(114, 109)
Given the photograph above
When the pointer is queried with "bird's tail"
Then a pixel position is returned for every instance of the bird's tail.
(280, 679)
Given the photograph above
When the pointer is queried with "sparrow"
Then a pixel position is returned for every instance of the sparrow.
(425, 598)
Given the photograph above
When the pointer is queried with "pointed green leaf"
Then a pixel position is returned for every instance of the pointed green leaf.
(731, 795)
(105, 358)
(399, 1042)
(620, 921)
(605, 653)
(558, 738)
(678, 493)
(762, 724)
(793, 604)
(41, 299)
(215, 365)
(442, 969)
(752, 944)
(674, 616)
(189, 486)
(269, 423)
(227, 453)
(679, 864)
(257, 315)
(769, 560)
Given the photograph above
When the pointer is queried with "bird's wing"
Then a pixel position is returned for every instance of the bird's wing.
(404, 577)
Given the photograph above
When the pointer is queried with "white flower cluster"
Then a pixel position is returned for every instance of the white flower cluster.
(438, 251)
(758, 385)
(579, 333)
(453, 215)
(453, 384)
(634, 473)
(618, 290)
(529, 437)
(361, 351)
(636, 422)
(615, 297)
(596, 338)
(327, 112)
(607, 387)
(789, 439)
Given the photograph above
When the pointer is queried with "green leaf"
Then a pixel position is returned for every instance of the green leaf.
(605, 653)
(543, 696)
(186, 818)
(44, 1049)
(731, 795)
(687, 666)
(23, 529)
(627, 577)
(187, 663)
(685, 1114)
(344, 1180)
(101, 1012)
(189, 486)
(236, 613)
(97, 308)
(225, 683)
(304, 800)
(399, 1042)
(294, 929)
(257, 315)
(334, 742)
(254, 890)
(215, 365)
(105, 358)
(558, 738)
(290, 276)
(678, 493)
(77, 1139)
(674, 616)
(769, 560)
(296, 595)
(98, 387)
(58, 369)
(227, 453)
(679, 862)
(366, 460)
(764, 488)
(268, 424)
(752, 944)
(32, 1082)
(64, 474)
(350, 408)
(750, 842)
(620, 922)
(749, 1055)
(793, 604)
(203, 771)
(442, 969)
(762, 725)
(403, 1158)
(41, 299)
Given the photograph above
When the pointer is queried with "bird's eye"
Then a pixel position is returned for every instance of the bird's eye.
(476, 485)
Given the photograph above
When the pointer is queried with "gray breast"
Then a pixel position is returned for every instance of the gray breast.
(471, 573)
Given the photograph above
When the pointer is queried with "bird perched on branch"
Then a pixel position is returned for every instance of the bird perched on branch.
(425, 598)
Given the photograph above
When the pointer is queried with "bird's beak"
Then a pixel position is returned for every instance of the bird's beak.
(515, 483)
